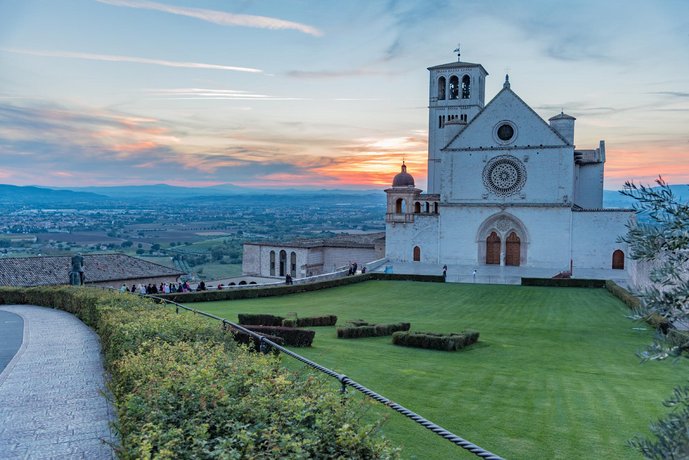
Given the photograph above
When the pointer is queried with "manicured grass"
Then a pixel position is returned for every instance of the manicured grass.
(554, 374)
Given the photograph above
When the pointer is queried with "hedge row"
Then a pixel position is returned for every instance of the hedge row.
(446, 342)
(292, 336)
(283, 289)
(371, 330)
(310, 321)
(259, 319)
(634, 303)
(563, 282)
(183, 389)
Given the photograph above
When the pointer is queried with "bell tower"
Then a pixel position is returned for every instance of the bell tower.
(457, 93)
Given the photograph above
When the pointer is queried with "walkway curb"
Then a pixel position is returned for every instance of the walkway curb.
(52, 402)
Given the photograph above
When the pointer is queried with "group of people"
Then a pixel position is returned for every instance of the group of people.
(152, 288)
(353, 268)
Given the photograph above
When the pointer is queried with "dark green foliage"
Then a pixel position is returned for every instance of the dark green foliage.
(315, 321)
(254, 343)
(260, 319)
(370, 330)
(435, 341)
(670, 432)
(292, 336)
(563, 282)
(183, 389)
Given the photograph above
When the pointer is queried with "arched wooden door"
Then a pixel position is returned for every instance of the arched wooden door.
(512, 250)
(493, 249)
(618, 260)
(417, 254)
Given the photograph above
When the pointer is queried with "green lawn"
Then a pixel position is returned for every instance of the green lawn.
(554, 374)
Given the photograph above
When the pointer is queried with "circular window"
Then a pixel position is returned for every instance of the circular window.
(505, 132)
(504, 175)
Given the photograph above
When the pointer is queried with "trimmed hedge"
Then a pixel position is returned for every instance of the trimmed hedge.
(435, 341)
(310, 321)
(259, 319)
(634, 303)
(293, 337)
(624, 295)
(563, 282)
(370, 330)
(284, 289)
(183, 389)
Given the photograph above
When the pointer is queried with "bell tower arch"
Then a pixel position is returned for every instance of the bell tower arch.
(457, 93)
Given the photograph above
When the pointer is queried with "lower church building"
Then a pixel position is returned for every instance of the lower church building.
(505, 188)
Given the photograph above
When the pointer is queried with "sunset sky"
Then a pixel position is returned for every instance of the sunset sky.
(321, 93)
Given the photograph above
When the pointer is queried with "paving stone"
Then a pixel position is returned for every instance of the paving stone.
(51, 401)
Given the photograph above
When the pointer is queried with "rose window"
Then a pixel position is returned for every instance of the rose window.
(504, 175)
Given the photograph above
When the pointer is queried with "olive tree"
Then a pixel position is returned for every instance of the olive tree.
(661, 241)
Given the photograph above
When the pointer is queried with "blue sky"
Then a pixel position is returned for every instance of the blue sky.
(320, 93)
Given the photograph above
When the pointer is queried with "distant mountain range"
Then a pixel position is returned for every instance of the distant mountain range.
(94, 196)
(29, 195)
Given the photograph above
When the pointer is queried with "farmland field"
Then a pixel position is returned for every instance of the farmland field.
(554, 374)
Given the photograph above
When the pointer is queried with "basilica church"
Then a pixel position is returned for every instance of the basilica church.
(505, 187)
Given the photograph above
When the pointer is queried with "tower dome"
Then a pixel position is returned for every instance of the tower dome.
(403, 179)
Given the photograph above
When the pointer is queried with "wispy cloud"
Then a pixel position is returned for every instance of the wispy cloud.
(220, 17)
(215, 94)
(335, 73)
(133, 59)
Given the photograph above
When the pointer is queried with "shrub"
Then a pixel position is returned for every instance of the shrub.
(260, 319)
(310, 321)
(182, 389)
(435, 341)
(370, 330)
(293, 337)
(193, 400)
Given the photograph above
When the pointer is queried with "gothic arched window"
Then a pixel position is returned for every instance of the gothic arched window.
(466, 87)
(454, 87)
(441, 88)
(283, 262)
(618, 260)
(293, 264)
(417, 254)
(272, 263)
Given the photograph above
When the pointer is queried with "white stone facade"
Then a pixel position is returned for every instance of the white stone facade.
(304, 258)
(506, 188)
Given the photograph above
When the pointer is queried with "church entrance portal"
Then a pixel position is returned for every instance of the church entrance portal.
(493, 249)
(512, 250)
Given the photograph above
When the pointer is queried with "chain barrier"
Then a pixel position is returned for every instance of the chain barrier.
(265, 344)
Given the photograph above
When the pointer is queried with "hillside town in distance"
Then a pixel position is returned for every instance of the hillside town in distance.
(198, 235)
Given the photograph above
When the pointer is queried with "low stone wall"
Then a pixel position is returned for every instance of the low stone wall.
(563, 282)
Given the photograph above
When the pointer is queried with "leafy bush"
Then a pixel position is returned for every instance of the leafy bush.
(194, 400)
(293, 337)
(259, 319)
(435, 341)
(370, 330)
(183, 389)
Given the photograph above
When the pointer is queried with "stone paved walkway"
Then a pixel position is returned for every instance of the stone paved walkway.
(51, 406)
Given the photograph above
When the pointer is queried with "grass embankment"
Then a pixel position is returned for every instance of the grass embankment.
(554, 374)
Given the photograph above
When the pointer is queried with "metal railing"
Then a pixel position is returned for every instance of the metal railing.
(265, 343)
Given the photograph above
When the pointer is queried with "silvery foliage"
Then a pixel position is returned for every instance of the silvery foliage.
(664, 242)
